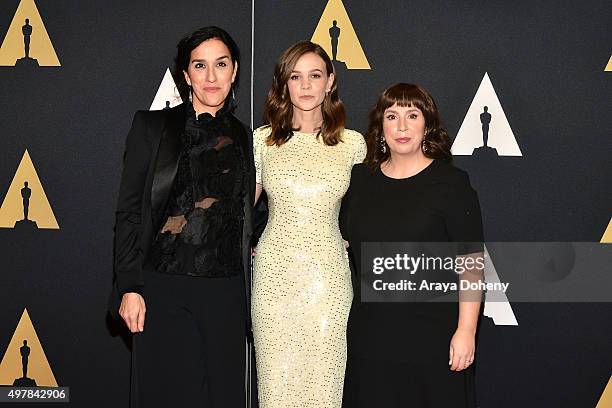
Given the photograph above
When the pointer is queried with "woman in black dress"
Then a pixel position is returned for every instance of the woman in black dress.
(182, 232)
(410, 354)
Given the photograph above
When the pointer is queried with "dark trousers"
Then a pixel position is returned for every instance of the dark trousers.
(192, 350)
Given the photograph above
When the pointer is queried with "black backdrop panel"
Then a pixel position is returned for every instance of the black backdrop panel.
(73, 120)
(546, 63)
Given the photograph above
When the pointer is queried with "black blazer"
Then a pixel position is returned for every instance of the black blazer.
(150, 164)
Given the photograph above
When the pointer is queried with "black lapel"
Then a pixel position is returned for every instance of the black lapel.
(167, 158)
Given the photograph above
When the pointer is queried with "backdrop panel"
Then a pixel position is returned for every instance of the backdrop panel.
(73, 120)
(539, 69)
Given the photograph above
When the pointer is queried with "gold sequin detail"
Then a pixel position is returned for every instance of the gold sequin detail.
(302, 285)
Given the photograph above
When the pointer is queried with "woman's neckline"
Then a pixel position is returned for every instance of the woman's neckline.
(423, 171)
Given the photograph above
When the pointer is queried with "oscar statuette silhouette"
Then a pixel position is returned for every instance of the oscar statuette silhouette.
(26, 61)
(24, 381)
(26, 223)
(485, 151)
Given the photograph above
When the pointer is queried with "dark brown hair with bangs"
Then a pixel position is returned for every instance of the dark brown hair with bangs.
(278, 112)
(436, 141)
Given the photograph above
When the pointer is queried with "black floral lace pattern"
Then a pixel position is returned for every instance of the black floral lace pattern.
(205, 211)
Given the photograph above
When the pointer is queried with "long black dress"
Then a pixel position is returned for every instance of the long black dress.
(398, 352)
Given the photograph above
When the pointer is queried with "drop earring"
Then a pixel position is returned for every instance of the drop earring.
(425, 143)
(424, 147)
(383, 144)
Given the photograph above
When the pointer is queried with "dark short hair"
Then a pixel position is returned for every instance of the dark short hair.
(436, 139)
(192, 41)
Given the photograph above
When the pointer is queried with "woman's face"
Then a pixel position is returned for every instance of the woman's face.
(308, 83)
(210, 74)
(404, 129)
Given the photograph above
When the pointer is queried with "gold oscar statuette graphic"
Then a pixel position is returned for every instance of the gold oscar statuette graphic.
(24, 363)
(25, 205)
(606, 397)
(27, 43)
(607, 236)
(335, 33)
(609, 66)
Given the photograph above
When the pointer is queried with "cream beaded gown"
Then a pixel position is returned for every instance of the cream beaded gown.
(301, 283)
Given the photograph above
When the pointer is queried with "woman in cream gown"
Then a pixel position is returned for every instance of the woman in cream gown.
(302, 289)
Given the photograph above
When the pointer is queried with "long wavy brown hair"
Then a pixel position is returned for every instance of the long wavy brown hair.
(436, 142)
(278, 113)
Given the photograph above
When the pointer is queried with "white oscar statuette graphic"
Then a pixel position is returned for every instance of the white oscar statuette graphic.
(485, 126)
(497, 306)
(167, 95)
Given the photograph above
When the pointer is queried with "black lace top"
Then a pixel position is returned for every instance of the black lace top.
(205, 210)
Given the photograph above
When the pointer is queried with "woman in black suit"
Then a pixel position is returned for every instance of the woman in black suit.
(182, 235)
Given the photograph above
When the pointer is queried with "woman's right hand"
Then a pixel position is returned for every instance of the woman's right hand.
(132, 311)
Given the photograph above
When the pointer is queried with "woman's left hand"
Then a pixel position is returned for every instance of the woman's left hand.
(462, 350)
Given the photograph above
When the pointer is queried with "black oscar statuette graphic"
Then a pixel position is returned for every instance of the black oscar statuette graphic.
(334, 34)
(485, 150)
(26, 193)
(25, 355)
(26, 223)
(28, 61)
(27, 33)
(485, 119)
